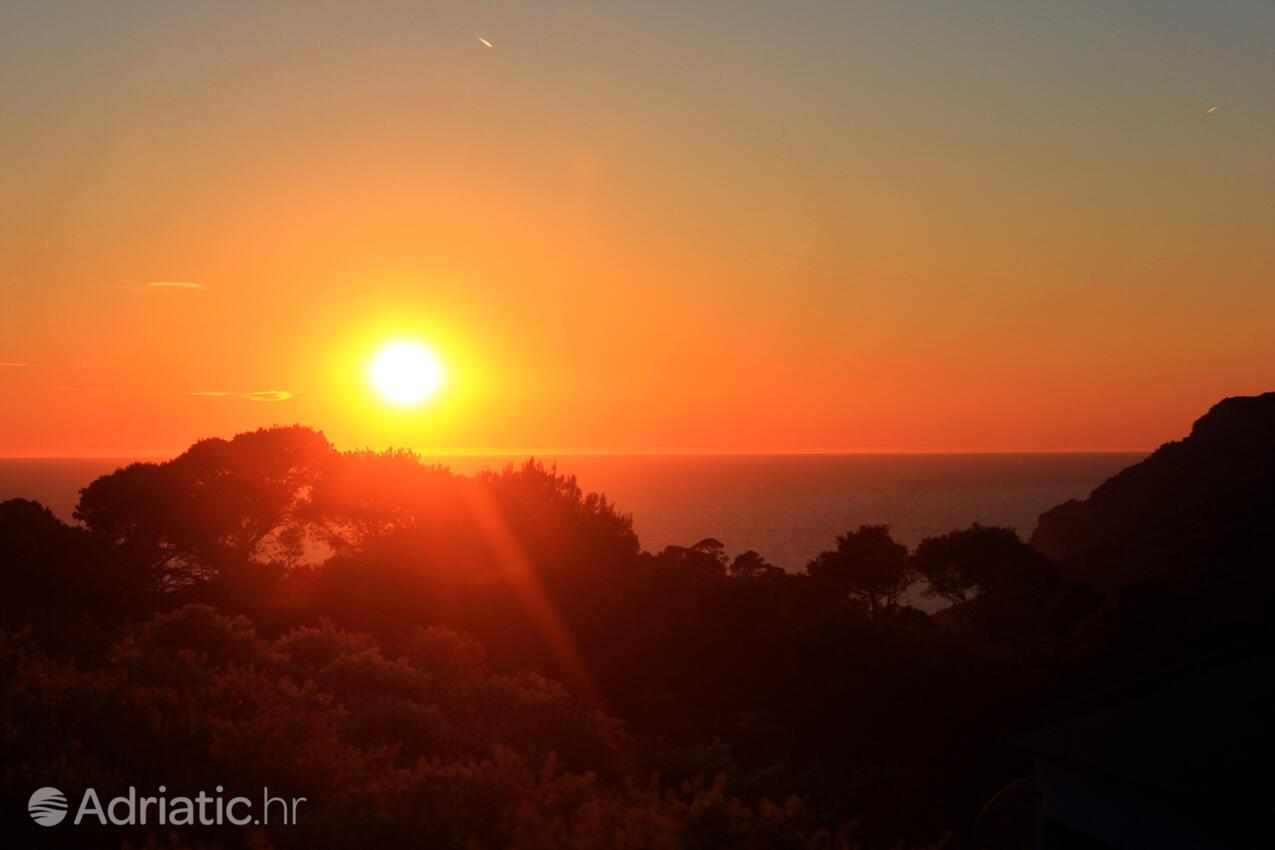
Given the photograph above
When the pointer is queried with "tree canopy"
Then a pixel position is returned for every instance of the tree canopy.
(868, 565)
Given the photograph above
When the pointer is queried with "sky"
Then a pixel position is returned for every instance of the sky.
(636, 227)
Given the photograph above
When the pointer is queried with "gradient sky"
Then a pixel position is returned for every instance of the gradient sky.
(746, 226)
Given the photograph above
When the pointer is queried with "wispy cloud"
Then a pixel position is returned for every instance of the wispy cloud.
(484, 42)
(174, 284)
(11, 364)
(257, 395)
(162, 286)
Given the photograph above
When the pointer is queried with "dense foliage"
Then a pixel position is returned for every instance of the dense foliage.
(435, 660)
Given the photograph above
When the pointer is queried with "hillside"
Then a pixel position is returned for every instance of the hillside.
(1194, 518)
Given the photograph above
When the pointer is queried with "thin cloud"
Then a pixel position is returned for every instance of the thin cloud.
(161, 286)
(10, 364)
(174, 284)
(257, 395)
(484, 42)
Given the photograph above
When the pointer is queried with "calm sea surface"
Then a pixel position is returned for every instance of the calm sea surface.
(787, 507)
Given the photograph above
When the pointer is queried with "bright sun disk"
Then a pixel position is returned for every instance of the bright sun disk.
(405, 373)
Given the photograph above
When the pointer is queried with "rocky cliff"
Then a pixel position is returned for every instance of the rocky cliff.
(1197, 516)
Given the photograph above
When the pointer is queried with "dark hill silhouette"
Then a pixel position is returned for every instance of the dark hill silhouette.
(1195, 512)
(1184, 533)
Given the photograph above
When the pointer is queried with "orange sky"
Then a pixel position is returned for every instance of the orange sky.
(976, 228)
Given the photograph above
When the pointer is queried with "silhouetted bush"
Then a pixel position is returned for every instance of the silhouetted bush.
(432, 749)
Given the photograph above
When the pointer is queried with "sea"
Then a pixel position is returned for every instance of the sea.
(786, 507)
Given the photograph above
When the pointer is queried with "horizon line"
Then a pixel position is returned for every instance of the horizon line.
(154, 454)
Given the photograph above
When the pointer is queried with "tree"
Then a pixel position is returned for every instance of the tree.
(705, 559)
(51, 572)
(868, 565)
(751, 566)
(555, 520)
(369, 496)
(217, 507)
(983, 561)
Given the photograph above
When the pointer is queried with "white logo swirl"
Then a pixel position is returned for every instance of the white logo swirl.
(47, 806)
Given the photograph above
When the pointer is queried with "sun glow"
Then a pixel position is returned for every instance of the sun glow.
(405, 373)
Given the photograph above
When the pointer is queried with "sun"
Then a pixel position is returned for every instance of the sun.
(405, 373)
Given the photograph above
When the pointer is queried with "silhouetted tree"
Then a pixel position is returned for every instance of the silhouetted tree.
(868, 565)
(751, 566)
(705, 559)
(368, 496)
(1002, 589)
(711, 547)
(982, 560)
(220, 505)
(52, 573)
(556, 523)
